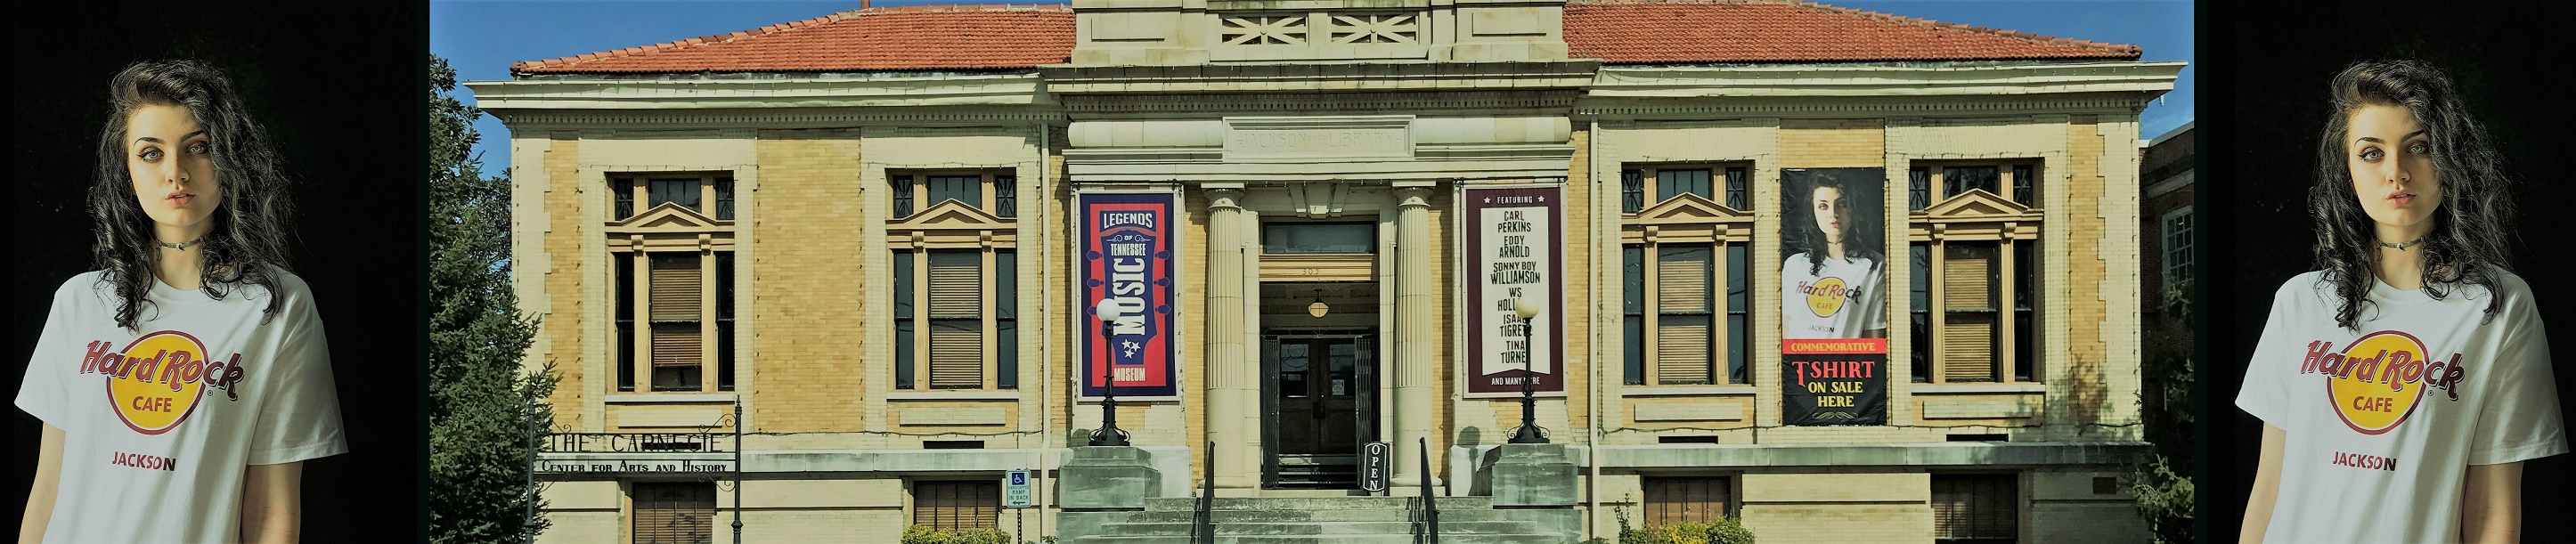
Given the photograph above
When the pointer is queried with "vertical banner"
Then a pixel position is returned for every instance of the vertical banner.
(1833, 296)
(1125, 258)
(1513, 238)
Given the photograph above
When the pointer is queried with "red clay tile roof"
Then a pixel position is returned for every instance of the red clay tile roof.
(898, 38)
(1616, 31)
(1694, 31)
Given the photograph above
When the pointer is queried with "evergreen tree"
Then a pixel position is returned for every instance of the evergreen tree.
(485, 415)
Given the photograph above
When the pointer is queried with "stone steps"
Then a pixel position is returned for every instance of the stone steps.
(1191, 504)
(1334, 539)
(1320, 539)
(1314, 516)
(1319, 520)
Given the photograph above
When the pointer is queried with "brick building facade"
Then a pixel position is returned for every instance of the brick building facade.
(865, 233)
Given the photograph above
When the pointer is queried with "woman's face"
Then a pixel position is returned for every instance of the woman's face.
(1827, 203)
(171, 160)
(2390, 157)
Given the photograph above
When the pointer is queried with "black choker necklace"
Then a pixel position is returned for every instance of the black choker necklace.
(181, 246)
(2401, 246)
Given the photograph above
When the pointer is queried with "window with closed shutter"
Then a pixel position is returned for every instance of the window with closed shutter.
(676, 287)
(1682, 328)
(1671, 500)
(956, 320)
(1976, 508)
(674, 513)
(1968, 330)
(956, 505)
(677, 321)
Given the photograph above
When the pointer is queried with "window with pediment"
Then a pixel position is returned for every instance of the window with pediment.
(954, 272)
(1974, 238)
(1685, 240)
(670, 239)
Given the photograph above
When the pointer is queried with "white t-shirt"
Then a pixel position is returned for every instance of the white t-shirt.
(160, 421)
(1843, 300)
(2381, 458)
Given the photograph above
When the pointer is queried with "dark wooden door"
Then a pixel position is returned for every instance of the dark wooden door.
(1319, 396)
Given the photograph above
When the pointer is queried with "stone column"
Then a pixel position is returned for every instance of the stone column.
(1232, 423)
(1414, 315)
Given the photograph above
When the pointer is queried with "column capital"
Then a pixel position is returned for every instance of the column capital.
(1413, 196)
(1224, 197)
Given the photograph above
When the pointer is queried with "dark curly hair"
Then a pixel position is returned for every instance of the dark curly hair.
(1860, 236)
(247, 245)
(2467, 244)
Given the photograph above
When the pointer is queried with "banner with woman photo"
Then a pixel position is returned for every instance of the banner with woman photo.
(1833, 301)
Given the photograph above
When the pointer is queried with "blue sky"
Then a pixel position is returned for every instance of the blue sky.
(480, 38)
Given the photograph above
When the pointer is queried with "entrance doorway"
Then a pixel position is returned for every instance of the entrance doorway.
(1319, 403)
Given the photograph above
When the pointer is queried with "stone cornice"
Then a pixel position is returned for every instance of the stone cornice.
(1558, 100)
(792, 118)
(1808, 80)
(1864, 106)
(1320, 77)
(937, 90)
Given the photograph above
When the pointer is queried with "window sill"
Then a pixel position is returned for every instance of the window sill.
(1679, 390)
(1005, 394)
(668, 398)
(2016, 387)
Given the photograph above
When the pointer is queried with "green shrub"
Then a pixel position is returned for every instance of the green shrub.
(923, 534)
(1721, 531)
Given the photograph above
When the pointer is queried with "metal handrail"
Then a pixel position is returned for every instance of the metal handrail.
(1430, 509)
(1206, 522)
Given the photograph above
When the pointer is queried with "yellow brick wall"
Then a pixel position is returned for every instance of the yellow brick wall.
(1833, 143)
(2085, 352)
(1055, 300)
(807, 297)
(1445, 344)
(565, 279)
(1192, 262)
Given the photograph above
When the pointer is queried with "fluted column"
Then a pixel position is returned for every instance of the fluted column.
(1414, 367)
(1230, 421)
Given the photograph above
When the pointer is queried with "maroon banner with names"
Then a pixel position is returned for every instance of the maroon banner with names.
(1513, 239)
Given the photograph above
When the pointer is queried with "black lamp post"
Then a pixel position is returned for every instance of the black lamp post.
(1528, 309)
(1108, 434)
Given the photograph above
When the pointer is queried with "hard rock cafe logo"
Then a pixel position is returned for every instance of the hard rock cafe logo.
(2376, 381)
(156, 381)
(1826, 296)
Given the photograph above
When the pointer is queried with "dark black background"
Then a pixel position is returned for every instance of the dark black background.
(2264, 73)
(340, 87)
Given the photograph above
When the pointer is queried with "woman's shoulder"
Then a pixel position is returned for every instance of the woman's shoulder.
(1795, 260)
(2315, 285)
(2511, 291)
(86, 284)
(289, 287)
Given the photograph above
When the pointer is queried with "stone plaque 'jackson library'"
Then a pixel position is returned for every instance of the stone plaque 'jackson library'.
(1845, 276)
